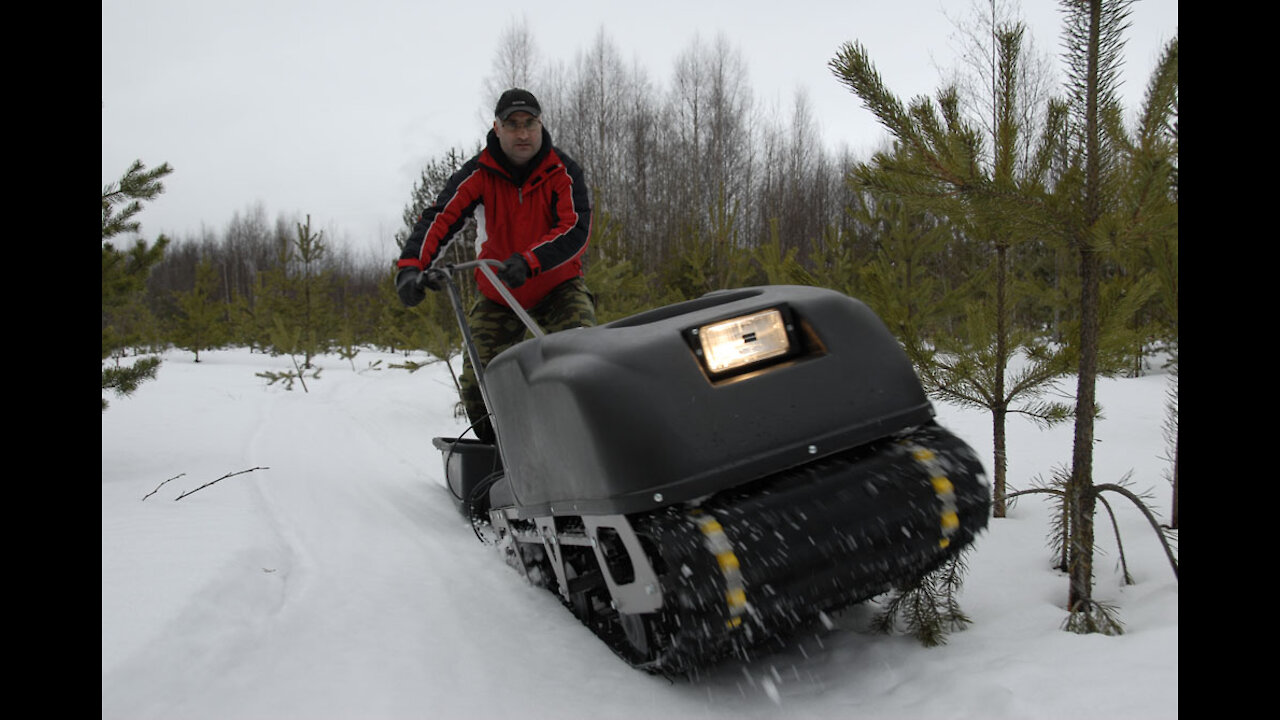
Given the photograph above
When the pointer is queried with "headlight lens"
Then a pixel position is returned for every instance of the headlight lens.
(738, 342)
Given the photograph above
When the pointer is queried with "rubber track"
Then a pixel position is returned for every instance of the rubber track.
(815, 539)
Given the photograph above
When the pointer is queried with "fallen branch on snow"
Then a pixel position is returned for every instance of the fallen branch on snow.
(224, 477)
(153, 492)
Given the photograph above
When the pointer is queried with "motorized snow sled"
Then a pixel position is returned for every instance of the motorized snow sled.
(700, 478)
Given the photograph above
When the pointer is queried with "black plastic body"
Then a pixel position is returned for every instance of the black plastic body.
(623, 417)
(467, 464)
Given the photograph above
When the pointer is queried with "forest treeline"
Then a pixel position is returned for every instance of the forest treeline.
(694, 189)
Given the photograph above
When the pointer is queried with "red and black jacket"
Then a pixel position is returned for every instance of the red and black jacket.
(541, 211)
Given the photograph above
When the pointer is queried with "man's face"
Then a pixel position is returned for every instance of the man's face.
(520, 136)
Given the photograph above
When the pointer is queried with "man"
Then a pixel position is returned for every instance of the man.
(533, 213)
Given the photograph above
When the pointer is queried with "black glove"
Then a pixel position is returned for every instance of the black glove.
(407, 286)
(514, 271)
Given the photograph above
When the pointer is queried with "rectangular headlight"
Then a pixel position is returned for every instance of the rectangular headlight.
(741, 341)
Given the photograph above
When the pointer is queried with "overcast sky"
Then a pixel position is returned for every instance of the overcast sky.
(333, 107)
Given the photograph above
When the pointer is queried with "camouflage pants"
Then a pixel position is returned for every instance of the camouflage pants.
(494, 328)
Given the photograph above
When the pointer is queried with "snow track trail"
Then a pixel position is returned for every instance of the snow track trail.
(338, 582)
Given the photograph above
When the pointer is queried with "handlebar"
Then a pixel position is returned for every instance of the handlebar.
(486, 267)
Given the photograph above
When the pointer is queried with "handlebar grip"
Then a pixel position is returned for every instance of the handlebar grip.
(433, 276)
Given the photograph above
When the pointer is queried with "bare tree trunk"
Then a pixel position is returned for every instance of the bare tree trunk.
(1174, 521)
(1080, 496)
(999, 415)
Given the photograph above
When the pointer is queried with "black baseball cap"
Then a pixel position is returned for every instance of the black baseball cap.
(517, 100)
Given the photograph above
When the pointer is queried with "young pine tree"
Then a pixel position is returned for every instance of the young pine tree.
(201, 322)
(1102, 208)
(939, 167)
(124, 274)
(298, 317)
(1077, 192)
(614, 276)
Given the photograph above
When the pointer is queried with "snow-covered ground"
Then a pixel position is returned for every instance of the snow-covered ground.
(333, 579)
